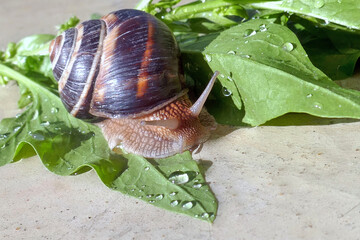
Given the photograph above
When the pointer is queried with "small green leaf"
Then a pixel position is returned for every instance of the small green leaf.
(72, 22)
(274, 76)
(173, 183)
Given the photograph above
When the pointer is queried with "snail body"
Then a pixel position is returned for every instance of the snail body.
(125, 69)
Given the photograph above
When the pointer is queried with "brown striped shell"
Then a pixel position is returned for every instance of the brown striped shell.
(124, 64)
(125, 68)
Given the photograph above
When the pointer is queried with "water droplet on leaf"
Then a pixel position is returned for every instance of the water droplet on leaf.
(319, 3)
(249, 32)
(36, 115)
(16, 128)
(226, 92)
(231, 52)
(173, 193)
(174, 203)
(4, 136)
(45, 124)
(197, 186)
(146, 168)
(179, 177)
(288, 46)
(159, 196)
(205, 215)
(245, 56)
(188, 204)
(208, 58)
(37, 136)
(262, 28)
(318, 105)
(309, 95)
(54, 110)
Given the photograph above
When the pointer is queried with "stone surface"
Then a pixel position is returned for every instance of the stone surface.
(272, 182)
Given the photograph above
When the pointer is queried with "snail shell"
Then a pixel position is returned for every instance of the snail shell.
(125, 68)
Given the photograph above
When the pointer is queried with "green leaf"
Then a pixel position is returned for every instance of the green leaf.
(274, 76)
(342, 12)
(335, 64)
(31, 55)
(67, 145)
(174, 183)
(335, 52)
(72, 22)
(198, 74)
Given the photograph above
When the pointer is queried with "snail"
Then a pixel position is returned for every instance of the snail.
(125, 70)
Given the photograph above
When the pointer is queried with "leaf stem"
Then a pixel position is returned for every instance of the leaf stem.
(15, 75)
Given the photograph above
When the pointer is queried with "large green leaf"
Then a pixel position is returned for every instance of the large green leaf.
(267, 65)
(342, 12)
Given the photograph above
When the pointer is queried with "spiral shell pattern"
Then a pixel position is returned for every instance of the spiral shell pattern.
(125, 64)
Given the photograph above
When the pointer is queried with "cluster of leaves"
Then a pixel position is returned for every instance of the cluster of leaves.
(275, 57)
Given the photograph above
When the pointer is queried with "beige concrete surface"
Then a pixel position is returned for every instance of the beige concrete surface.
(272, 182)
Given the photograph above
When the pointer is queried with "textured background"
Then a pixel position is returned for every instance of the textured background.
(272, 182)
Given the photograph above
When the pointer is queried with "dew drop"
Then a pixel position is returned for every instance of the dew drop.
(231, 52)
(37, 136)
(174, 203)
(339, 1)
(230, 79)
(318, 105)
(309, 95)
(16, 128)
(325, 22)
(146, 168)
(54, 110)
(4, 136)
(179, 177)
(288, 46)
(159, 196)
(245, 56)
(262, 28)
(173, 193)
(205, 215)
(319, 3)
(188, 204)
(208, 58)
(249, 32)
(226, 92)
(45, 124)
(36, 115)
(132, 190)
(197, 186)
(151, 201)
(18, 115)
